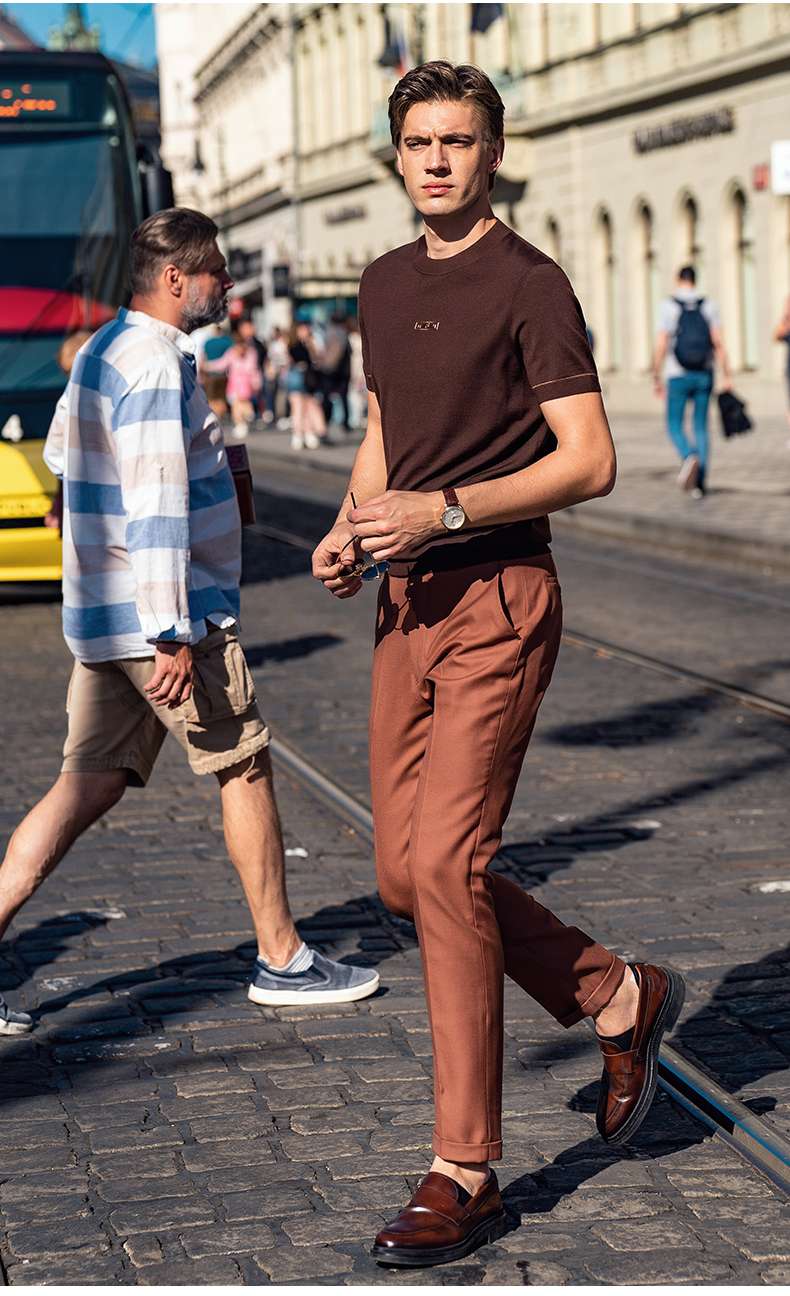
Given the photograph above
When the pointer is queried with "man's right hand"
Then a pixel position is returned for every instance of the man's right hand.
(171, 682)
(334, 555)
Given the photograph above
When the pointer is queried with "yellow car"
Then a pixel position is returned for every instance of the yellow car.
(29, 550)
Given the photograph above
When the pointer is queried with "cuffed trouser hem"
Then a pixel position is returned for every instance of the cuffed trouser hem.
(462, 1152)
(603, 993)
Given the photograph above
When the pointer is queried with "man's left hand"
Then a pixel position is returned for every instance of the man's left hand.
(398, 522)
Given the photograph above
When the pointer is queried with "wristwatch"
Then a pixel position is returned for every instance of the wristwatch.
(453, 517)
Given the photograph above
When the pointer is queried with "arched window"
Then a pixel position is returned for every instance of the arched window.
(688, 248)
(605, 325)
(645, 279)
(553, 239)
(745, 280)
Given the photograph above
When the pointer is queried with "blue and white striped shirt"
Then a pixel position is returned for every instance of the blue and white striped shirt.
(151, 529)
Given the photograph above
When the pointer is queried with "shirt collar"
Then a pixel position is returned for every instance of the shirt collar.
(176, 335)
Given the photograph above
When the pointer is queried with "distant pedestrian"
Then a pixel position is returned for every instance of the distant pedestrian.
(334, 365)
(303, 382)
(275, 394)
(244, 380)
(689, 345)
(151, 566)
(246, 330)
(357, 388)
(782, 334)
(213, 342)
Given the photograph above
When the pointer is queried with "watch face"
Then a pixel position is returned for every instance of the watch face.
(453, 517)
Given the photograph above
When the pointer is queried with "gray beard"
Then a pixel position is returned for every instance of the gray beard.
(197, 314)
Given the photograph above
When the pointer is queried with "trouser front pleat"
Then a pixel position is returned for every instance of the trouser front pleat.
(461, 664)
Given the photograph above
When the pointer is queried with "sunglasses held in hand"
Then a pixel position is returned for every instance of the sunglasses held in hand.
(367, 568)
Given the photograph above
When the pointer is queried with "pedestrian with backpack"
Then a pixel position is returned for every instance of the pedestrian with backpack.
(689, 345)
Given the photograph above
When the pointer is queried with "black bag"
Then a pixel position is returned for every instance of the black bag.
(734, 419)
(693, 342)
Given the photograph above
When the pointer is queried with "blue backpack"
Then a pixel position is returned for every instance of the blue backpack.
(693, 342)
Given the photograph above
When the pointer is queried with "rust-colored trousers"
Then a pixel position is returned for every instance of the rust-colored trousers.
(462, 661)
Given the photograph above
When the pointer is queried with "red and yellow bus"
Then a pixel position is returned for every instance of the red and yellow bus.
(75, 182)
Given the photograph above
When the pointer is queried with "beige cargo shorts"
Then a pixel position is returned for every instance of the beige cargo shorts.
(113, 725)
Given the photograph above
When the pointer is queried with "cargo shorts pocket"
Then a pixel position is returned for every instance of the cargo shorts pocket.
(222, 685)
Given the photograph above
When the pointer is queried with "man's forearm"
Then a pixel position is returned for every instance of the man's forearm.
(554, 482)
(723, 361)
(368, 475)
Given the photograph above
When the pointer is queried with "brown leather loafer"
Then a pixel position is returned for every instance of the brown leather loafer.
(436, 1227)
(628, 1084)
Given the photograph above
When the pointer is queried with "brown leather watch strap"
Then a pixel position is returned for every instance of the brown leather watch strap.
(450, 497)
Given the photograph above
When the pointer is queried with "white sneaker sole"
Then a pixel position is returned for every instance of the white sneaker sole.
(689, 473)
(14, 1028)
(293, 998)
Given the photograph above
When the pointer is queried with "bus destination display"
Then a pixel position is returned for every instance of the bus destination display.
(28, 100)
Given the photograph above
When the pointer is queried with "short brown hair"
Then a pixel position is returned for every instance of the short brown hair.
(448, 83)
(177, 235)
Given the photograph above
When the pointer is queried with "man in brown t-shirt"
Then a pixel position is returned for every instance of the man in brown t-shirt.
(484, 415)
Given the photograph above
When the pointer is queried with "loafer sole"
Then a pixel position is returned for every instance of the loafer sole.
(487, 1231)
(292, 998)
(666, 1019)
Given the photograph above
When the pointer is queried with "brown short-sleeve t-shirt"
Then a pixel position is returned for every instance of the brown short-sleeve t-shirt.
(460, 352)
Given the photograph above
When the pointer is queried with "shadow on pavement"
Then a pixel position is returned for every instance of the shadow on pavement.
(194, 984)
(288, 649)
(667, 1129)
(668, 719)
(532, 862)
(37, 946)
(264, 559)
(148, 998)
(32, 592)
(651, 723)
(743, 1033)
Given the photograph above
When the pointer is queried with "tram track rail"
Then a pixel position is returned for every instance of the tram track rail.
(603, 648)
(762, 1146)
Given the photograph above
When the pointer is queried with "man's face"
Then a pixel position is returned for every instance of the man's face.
(206, 299)
(445, 158)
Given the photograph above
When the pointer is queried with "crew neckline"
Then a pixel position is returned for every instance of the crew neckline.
(446, 265)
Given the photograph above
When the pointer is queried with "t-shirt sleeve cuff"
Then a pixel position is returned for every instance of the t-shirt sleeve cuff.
(573, 385)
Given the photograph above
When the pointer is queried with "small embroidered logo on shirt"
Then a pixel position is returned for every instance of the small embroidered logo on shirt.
(422, 326)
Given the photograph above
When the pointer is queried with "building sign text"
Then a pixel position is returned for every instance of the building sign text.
(684, 129)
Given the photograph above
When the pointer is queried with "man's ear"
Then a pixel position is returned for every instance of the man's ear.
(497, 154)
(173, 280)
(398, 163)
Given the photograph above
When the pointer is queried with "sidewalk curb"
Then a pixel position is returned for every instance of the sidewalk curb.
(674, 537)
(640, 528)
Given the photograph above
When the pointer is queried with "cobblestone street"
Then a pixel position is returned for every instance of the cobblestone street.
(158, 1128)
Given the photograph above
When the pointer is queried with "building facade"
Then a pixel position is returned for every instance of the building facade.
(228, 138)
(638, 138)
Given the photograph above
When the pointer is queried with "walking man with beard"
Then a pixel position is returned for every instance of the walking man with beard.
(151, 568)
(484, 416)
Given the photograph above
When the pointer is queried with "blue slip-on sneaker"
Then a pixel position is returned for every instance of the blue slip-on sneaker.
(323, 982)
(13, 1023)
